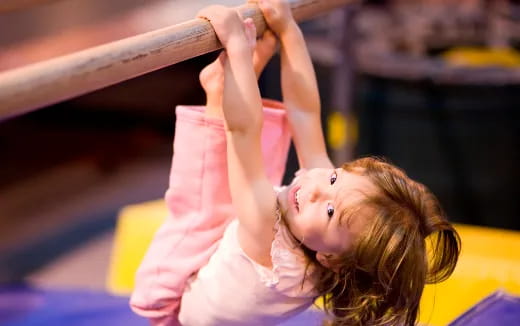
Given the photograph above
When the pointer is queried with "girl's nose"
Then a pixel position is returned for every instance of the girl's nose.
(316, 193)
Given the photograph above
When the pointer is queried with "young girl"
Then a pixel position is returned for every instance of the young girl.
(198, 196)
(355, 235)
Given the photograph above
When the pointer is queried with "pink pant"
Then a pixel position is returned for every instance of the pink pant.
(199, 206)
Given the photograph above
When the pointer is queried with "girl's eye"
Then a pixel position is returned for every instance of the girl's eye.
(330, 210)
(333, 178)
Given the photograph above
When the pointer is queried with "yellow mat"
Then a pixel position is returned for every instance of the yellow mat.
(136, 225)
(490, 260)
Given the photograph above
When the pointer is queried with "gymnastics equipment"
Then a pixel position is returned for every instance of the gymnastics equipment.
(51, 81)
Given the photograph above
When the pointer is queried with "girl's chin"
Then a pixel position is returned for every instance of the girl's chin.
(282, 201)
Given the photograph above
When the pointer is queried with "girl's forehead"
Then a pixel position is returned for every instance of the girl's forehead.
(352, 190)
(350, 181)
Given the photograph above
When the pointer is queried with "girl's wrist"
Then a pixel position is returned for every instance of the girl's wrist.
(291, 30)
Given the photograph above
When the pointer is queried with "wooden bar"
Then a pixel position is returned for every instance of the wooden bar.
(34, 86)
(11, 5)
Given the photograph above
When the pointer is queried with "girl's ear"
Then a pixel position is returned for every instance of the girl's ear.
(324, 260)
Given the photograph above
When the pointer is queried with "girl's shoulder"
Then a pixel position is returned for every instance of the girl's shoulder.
(290, 266)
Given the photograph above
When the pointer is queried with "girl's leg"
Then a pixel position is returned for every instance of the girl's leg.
(181, 244)
(199, 205)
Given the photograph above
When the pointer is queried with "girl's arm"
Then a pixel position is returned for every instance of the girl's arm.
(252, 194)
(299, 86)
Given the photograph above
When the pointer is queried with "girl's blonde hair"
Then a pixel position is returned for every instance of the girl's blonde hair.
(381, 279)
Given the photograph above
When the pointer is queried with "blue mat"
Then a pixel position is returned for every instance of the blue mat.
(499, 308)
(25, 306)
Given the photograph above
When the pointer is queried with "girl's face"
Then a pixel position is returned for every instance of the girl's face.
(313, 203)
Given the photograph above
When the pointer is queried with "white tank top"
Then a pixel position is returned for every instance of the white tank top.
(232, 289)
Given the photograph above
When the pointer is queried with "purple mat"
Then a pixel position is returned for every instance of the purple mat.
(499, 308)
(26, 306)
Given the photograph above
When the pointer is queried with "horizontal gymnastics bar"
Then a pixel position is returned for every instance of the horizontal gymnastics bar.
(44, 83)
(12, 5)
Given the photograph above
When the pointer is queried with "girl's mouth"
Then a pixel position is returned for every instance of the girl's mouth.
(296, 199)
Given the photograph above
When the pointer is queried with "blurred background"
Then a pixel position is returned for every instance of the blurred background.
(432, 85)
